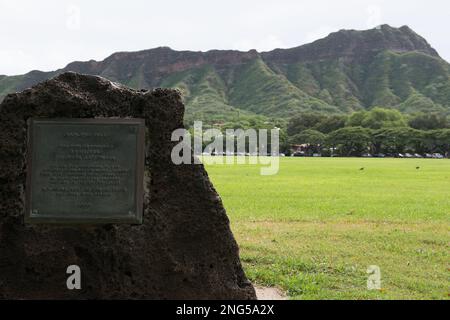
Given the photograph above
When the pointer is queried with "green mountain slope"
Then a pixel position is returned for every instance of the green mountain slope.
(347, 71)
(205, 96)
(9, 84)
(259, 89)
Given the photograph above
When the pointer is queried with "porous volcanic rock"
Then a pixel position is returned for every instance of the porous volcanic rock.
(183, 250)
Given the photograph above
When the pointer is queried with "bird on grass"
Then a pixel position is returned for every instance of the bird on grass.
(417, 168)
(361, 168)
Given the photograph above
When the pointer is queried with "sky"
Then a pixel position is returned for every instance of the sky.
(48, 34)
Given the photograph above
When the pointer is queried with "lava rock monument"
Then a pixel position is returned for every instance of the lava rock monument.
(182, 249)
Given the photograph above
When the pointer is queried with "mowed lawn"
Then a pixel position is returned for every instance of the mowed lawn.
(314, 228)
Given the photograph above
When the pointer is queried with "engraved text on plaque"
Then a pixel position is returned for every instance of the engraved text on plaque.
(85, 171)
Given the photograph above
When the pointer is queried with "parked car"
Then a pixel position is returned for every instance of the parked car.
(379, 155)
(367, 155)
(438, 156)
(408, 155)
(417, 155)
(298, 154)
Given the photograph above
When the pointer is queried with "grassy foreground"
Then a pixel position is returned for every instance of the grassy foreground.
(314, 228)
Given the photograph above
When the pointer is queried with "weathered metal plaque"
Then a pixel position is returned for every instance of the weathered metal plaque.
(83, 171)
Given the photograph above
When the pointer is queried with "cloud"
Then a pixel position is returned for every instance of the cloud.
(46, 34)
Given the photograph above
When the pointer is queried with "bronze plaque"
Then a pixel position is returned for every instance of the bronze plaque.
(83, 171)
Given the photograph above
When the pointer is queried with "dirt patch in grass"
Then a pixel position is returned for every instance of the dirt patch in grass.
(267, 293)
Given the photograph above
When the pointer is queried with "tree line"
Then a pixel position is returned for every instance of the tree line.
(376, 131)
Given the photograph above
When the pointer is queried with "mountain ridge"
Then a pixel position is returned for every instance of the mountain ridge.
(346, 71)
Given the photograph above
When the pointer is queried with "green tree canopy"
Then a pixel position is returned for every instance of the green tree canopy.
(350, 141)
(429, 121)
(397, 140)
(377, 118)
(331, 123)
(437, 141)
(304, 121)
(309, 136)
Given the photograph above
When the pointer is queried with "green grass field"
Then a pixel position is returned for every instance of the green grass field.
(314, 228)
